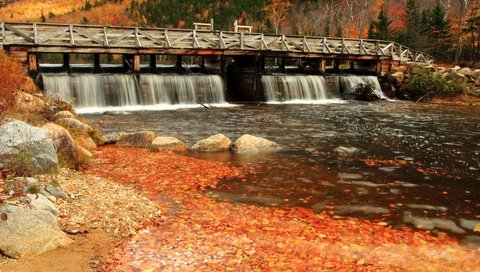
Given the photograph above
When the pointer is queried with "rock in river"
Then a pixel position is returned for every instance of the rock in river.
(168, 144)
(250, 144)
(137, 139)
(215, 143)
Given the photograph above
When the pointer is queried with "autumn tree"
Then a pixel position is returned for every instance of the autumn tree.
(277, 12)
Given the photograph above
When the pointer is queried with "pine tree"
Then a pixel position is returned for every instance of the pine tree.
(380, 29)
(413, 26)
(439, 31)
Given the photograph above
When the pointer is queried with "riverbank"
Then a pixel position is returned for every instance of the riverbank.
(98, 215)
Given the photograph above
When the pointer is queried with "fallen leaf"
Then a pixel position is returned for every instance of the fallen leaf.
(4, 216)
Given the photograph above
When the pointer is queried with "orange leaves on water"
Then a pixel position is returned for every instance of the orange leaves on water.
(202, 234)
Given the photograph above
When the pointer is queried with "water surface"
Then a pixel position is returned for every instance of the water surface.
(403, 163)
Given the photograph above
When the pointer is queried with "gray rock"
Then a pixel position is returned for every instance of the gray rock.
(56, 192)
(41, 203)
(29, 232)
(63, 114)
(343, 150)
(27, 148)
(112, 138)
(465, 71)
(168, 144)
(74, 125)
(251, 144)
(64, 143)
(137, 139)
(215, 143)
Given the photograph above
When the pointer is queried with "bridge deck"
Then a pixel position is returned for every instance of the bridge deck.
(58, 38)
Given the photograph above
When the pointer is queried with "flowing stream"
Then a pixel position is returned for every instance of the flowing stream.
(407, 164)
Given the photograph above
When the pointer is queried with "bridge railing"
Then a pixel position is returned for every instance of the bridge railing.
(62, 35)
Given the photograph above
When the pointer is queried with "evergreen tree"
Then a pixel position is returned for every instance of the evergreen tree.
(439, 31)
(412, 21)
(380, 29)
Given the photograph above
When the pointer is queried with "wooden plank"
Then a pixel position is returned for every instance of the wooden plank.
(137, 39)
(223, 45)
(196, 44)
(72, 38)
(105, 37)
(19, 33)
(3, 33)
(54, 35)
(35, 36)
(90, 37)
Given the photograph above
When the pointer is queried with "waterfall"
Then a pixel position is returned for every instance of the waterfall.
(313, 89)
(350, 81)
(307, 88)
(101, 92)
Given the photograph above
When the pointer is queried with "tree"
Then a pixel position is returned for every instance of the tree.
(413, 26)
(439, 31)
(380, 29)
(278, 10)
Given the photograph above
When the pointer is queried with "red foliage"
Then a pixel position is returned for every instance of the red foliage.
(201, 233)
(12, 75)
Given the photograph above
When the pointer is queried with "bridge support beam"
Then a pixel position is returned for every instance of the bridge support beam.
(32, 59)
(336, 66)
(153, 63)
(66, 62)
(136, 63)
(322, 66)
(178, 64)
(97, 68)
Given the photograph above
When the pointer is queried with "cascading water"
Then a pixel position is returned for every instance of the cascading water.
(348, 82)
(103, 92)
(296, 88)
(311, 88)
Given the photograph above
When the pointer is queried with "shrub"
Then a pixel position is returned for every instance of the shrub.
(425, 85)
(12, 74)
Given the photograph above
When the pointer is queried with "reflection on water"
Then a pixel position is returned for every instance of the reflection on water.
(403, 163)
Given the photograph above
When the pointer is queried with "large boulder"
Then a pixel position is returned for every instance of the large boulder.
(112, 138)
(396, 78)
(250, 144)
(64, 143)
(168, 144)
(30, 103)
(361, 92)
(215, 143)
(41, 203)
(74, 125)
(465, 71)
(85, 141)
(27, 148)
(137, 139)
(25, 232)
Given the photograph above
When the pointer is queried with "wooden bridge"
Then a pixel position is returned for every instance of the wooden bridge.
(56, 38)
(239, 56)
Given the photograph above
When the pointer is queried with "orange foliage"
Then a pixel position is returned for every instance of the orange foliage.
(201, 233)
(12, 75)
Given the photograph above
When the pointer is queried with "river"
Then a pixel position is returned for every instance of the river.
(408, 164)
